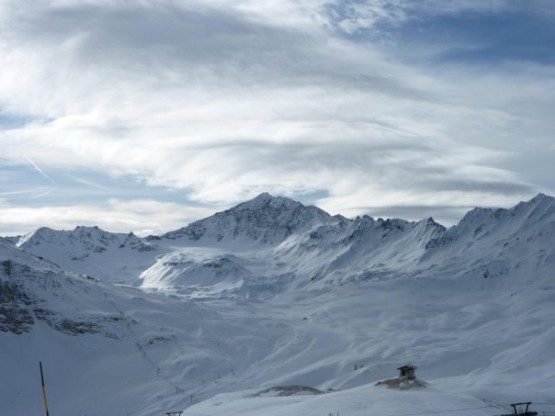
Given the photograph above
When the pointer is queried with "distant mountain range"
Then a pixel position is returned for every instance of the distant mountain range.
(271, 237)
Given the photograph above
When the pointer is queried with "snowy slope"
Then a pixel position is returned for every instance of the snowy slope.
(361, 401)
(362, 248)
(108, 256)
(192, 271)
(513, 246)
(163, 353)
(96, 339)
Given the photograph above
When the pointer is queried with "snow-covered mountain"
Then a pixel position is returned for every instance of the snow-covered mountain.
(264, 220)
(31, 290)
(12, 239)
(320, 250)
(273, 238)
(109, 256)
(273, 293)
(514, 245)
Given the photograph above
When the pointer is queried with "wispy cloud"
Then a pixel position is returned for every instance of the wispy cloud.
(143, 216)
(34, 192)
(38, 169)
(221, 100)
(89, 183)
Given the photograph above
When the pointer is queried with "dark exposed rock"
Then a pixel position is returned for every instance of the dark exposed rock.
(14, 316)
(283, 391)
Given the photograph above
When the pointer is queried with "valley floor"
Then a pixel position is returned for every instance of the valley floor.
(169, 352)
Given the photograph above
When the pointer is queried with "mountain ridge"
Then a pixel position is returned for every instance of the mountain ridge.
(284, 236)
(116, 257)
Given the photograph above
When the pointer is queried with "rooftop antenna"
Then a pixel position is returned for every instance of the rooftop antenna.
(43, 389)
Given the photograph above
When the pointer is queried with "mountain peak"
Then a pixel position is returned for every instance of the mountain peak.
(536, 209)
(39, 234)
(266, 218)
(541, 199)
(88, 228)
(542, 196)
(430, 222)
(95, 232)
(264, 195)
(265, 200)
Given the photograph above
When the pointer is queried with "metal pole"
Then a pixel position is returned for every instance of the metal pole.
(43, 389)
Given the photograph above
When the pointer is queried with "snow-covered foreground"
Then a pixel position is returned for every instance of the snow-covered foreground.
(360, 401)
(161, 353)
(224, 309)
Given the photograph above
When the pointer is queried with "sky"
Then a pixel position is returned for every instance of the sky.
(143, 115)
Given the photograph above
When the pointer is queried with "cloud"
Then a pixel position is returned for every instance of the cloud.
(38, 169)
(224, 100)
(370, 16)
(145, 217)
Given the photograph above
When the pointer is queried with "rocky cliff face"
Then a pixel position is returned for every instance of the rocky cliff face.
(35, 290)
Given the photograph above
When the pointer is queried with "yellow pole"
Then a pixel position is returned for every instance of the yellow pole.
(43, 389)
